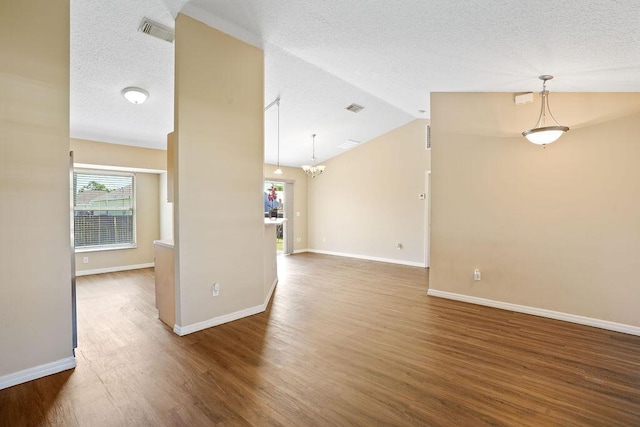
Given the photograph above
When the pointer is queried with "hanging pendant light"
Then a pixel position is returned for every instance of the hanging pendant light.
(313, 170)
(545, 132)
(278, 171)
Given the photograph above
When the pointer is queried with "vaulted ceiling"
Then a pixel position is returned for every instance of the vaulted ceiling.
(387, 56)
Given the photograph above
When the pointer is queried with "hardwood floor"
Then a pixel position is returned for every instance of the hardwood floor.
(344, 342)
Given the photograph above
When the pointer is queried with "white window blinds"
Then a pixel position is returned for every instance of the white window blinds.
(104, 209)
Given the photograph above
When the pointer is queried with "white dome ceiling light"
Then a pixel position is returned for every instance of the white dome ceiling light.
(135, 95)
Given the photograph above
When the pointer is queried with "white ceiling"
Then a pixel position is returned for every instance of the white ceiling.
(322, 56)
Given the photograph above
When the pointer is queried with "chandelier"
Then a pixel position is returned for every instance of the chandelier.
(313, 170)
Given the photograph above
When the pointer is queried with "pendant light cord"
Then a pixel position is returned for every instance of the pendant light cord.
(278, 104)
(313, 148)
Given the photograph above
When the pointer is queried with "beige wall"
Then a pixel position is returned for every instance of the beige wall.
(299, 179)
(219, 125)
(148, 200)
(367, 199)
(107, 154)
(35, 269)
(270, 259)
(554, 228)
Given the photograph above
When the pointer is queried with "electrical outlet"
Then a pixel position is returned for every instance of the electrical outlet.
(215, 289)
(298, 213)
(298, 239)
(476, 274)
(85, 260)
(421, 196)
(399, 246)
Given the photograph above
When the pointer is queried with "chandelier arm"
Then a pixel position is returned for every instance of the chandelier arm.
(540, 117)
(551, 114)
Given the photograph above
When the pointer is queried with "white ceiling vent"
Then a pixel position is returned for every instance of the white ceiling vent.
(355, 108)
(349, 144)
(154, 29)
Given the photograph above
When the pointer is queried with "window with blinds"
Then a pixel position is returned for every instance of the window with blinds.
(104, 210)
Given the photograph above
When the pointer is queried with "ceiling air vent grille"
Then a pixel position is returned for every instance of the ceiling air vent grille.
(355, 108)
(428, 138)
(349, 144)
(154, 29)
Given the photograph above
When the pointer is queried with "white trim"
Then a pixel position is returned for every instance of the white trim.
(268, 298)
(226, 318)
(369, 258)
(114, 269)
(86, 249)
(427, 219)
(300, 251)
(117, 168)
(573, 318)
(36, 372)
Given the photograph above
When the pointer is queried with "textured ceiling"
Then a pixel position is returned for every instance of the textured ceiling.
(107, 55)
(322, 56)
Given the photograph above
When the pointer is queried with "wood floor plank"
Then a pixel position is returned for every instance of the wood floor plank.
(344, 342)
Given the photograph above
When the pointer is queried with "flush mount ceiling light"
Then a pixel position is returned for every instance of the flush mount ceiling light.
(135, 95)
(313, 170)
(545, 132)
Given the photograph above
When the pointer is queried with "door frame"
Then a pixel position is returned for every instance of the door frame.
(288, 231)
(427, 219)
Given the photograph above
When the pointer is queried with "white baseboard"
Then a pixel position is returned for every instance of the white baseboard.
(226, 318)
(558, 315)
(36, 372)
(268, 298)
(300, 251)
(368, 258)
(113, 269)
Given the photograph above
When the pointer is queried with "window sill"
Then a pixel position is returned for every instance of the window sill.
(104, 248)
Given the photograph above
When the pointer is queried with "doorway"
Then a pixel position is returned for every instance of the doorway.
(274, 207)
(284, 197)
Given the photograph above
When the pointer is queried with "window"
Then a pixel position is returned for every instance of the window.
(104, 210)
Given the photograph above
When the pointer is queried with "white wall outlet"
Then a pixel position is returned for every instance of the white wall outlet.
(421, 196)
(298, 213)
(476, 274)
(399, 246)
(324, 240)
(215, 289)
(298, 239)
(85, 260)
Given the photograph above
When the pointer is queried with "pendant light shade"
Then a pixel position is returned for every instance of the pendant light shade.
(547, 129)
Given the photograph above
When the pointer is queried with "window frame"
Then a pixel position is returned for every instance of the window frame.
(115, 246)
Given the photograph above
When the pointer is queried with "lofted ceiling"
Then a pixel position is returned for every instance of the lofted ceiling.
(322, 56)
